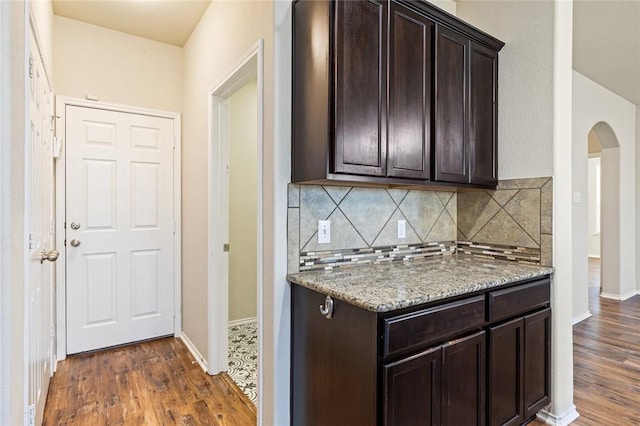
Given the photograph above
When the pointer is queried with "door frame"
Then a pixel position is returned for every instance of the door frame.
(60, 172)
(249, 66)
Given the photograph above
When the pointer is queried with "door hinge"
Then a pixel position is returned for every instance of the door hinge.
(30, 67)
(225, 247)
(31, 415)
(30, 241)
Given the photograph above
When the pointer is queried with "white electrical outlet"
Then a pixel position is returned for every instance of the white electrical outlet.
(324, 231)
(402, 228)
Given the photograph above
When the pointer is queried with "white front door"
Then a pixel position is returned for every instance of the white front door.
(39, 319)
(119, 227)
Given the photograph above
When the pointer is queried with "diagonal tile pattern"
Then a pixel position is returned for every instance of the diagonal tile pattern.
(368, 210)
(368, 217)
(516, 215)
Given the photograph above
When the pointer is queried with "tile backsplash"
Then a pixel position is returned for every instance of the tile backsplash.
(516, 215)
(515, 218)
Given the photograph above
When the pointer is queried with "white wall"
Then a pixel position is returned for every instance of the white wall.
(42, 14)
(14, 26)
(12, 226)
(525, 109)
(593, 104)
(243, 208)
(535, 134)
(225, 32)
(116, 67)
(592, 235)
(637, 197)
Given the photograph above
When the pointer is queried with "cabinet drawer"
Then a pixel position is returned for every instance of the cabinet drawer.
(507, 303)
(432, 326)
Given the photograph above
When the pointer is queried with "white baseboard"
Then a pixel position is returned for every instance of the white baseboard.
(243, 321)
(595, 256)
(620, 297)
(559, 420)
(195, 352)
(581, 317)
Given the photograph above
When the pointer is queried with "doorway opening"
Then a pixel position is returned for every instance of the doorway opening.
(594, 204)
(235, 225)
(604, 209)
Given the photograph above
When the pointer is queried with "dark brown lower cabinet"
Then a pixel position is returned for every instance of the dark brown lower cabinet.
(537, 362)
(365, 368)
(412, 389)
(505, 373)
(519, 368)
(463, 381)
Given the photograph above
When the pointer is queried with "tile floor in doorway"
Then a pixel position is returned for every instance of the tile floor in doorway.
(243, 358)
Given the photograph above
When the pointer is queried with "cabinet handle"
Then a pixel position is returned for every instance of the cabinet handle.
(327, 309)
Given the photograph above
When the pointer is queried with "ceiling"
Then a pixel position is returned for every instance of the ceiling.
(606, 33)
(606, 44)
(166, 21)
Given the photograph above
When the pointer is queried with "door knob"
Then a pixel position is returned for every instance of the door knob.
(51, 255)
(74, 243)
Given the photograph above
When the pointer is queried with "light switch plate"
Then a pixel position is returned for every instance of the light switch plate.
(402, 228)
(577, 197)
(324, 231)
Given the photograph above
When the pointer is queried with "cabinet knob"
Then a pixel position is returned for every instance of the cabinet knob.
(327, 309)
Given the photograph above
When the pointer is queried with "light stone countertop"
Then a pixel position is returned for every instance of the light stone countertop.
(394, 285)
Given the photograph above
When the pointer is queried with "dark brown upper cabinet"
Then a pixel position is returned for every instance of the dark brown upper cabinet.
(360, 88)
(381, 95)
(452, 106)
(466, 110)
(410, 90)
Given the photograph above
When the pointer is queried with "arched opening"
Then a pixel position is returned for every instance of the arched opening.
(604, 206)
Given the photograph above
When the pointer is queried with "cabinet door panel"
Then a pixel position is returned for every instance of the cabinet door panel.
(505, 373)
(412, 390)
(482, 120)
(410, 56)
(360, 89)
(537, 361)
(451, 147)
(333, 363)
(463, 381)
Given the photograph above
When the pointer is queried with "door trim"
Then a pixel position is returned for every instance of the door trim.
(249, 66)
(60, 170)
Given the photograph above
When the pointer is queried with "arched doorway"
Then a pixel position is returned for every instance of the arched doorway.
(603, 146)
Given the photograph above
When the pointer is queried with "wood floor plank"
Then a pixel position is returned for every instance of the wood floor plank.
(606, 356)
(149, 383)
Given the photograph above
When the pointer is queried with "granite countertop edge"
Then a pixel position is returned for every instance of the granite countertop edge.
(430, 282)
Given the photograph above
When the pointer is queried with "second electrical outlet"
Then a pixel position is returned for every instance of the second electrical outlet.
(324, 231)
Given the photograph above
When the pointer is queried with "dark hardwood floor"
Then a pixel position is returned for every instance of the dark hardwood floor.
(606, 351)
(157, 383)
(150, 383)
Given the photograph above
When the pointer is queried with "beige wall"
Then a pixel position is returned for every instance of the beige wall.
(446, 5)
(243, 208)
(226, 31)
(116, 67)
